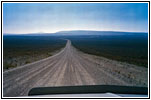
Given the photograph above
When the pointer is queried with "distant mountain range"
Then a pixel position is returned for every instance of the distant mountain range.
(83, 32)
(80, 32)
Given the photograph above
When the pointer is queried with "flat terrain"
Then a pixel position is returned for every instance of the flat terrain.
(71, 67)
(21, 50)
(130, 48)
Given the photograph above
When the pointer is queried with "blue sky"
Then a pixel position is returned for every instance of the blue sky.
(53, 17)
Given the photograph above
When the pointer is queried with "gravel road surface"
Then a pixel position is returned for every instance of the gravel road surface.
(71, 67)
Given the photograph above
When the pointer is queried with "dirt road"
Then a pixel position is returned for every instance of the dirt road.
(70, 67)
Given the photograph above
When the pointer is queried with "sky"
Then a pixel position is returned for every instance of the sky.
(22, 18)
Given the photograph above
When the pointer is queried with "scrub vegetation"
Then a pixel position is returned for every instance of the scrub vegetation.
(20, 50)
(126, 48)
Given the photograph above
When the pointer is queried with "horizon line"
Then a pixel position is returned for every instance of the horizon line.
(70, 30)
